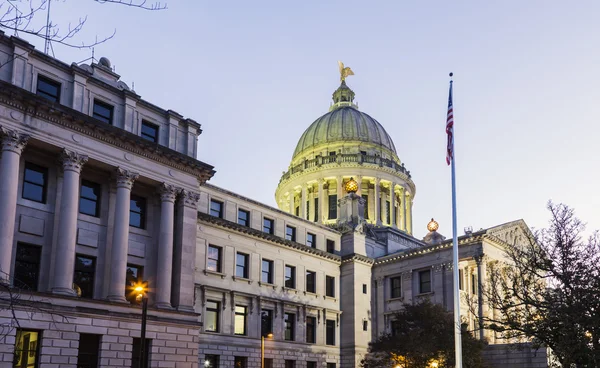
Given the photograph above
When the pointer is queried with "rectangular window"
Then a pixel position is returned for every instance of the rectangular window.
(241, 265)
(137, 212)
(214, 258)
(27, 347)
(330, 246)
(211, 317)
(388, 214)
(330, 365)
(266, 275)
(330, 332)
(133, 275)
(332, 206)
(27, 266)
(135, 353)
(316, 209)
(35, 181)
(311, 364)
(473, 284)
(366, 198)
(289, 321)
(83, 277)
(266, 322)
(290, 233)
(330, 286)
(149, 131)
(216, 208)
(243, 217)
(103, 112)
(48, 89)
(89, 347)
(89, 198)
(290, 363)
(211, 361)
(297, 212)
(290, 277)
(365, 325)
(425, 281)
(240, 319)
(460, 279)
(311, 330)
(364, 288)
(268, 226)
(396, 287)
(311, 240)
(240, 362)
(268, 363)
(307, 210)
(396, 328)
(311, 286)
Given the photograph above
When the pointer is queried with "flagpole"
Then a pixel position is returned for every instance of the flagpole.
(455, 284)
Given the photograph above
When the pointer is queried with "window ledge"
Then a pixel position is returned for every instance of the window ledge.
(330, 298)
(209, 272)
(398, 299)
(425, 294)
(291, 290)
(311, 294)
(243, 279)
(266, 284)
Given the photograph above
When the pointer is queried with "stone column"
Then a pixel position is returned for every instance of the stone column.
(64, 257)
(164, 264)
(303, 206)
(13, 144)
(410, 219)
(394, 213)
(377, 203)
(291, 202)
(120, 245)
(321, 196)
(481, 274)
(404, 199)
(325, 202)
(340, 194)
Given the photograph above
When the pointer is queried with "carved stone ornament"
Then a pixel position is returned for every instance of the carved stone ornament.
(126, 178)
(72, 161)
(12, 140)
(190, 198)
(167, 192)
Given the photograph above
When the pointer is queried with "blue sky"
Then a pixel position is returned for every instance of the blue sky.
(257, 74)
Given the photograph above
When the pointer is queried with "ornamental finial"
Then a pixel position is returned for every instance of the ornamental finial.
(433, 225)
(344, 71)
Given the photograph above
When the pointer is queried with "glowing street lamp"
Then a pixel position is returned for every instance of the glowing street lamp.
(140, 290)
(262, 349)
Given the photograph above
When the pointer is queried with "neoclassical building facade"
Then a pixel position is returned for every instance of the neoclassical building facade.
(101, 190)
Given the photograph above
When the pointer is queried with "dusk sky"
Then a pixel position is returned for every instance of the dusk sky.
(256, 74)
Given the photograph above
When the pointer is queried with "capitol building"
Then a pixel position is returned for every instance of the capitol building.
(101, 190)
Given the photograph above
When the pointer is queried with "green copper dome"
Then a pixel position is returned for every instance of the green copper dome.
(344, 123)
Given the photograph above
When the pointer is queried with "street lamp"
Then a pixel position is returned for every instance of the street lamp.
(262, 349)
(140, 290)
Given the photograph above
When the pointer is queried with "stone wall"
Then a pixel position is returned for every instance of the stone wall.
(504, 355)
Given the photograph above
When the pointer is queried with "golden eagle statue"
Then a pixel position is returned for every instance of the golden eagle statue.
(344, 71)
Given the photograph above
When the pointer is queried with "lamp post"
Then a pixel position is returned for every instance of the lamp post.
(262, 349)
(140, 289)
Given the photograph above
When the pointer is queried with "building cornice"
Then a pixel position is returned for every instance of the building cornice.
(357, 258)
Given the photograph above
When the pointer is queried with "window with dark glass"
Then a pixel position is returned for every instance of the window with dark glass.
(364, 153)
(330, 332)
(83, 277)
(365, 325)
(137, 212)
(211, 317)
(266, 273)
(266, 322)
(316, 209)
(241, 265)
(27, 266)
(332, 153)
(311, 240)
(297, 212)
(388, 214)
(48, 89)
(332, 206)
(135, 353)
(241, 313)
(103, 112)
(27, 348)
(133, 275)
(268, 226)
(330, 246)
(290, 233)
(290, 277)
(311, 364)
(89, 347)
(473, 283)
(425, 281)
(89, 198)
(289, 324)
(396, 287)
(330, 286)
(290, 363)
(366, 198)
(308, 210)
(268, 363)
(311, 285)
(364, 288)
(211, 361)
(395, 327)
(214, 258)
(243, 217)
(330, 365)
(460, 279)
(216, 208)
(240, 362)
(311, 330)
(149, 131)
(35, 181)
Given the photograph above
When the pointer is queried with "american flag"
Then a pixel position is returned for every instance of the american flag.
(450, 129)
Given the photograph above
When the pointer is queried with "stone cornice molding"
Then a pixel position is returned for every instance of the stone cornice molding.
(168, 192)
(354, 257)
(13, 140)
(126, 178)
(189, 198)
(72, 161)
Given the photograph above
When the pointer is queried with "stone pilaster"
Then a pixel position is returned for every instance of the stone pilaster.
(303, 206)
(164, 263)
(394, 214)
(64, 260)
(116, 289)
(481, 276)
(13, 143)
(377, 202)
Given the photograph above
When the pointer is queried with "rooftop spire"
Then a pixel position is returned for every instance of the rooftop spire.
(343, 96)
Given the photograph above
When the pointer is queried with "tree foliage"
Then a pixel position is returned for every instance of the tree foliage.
(548, 291)
(424, 334)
